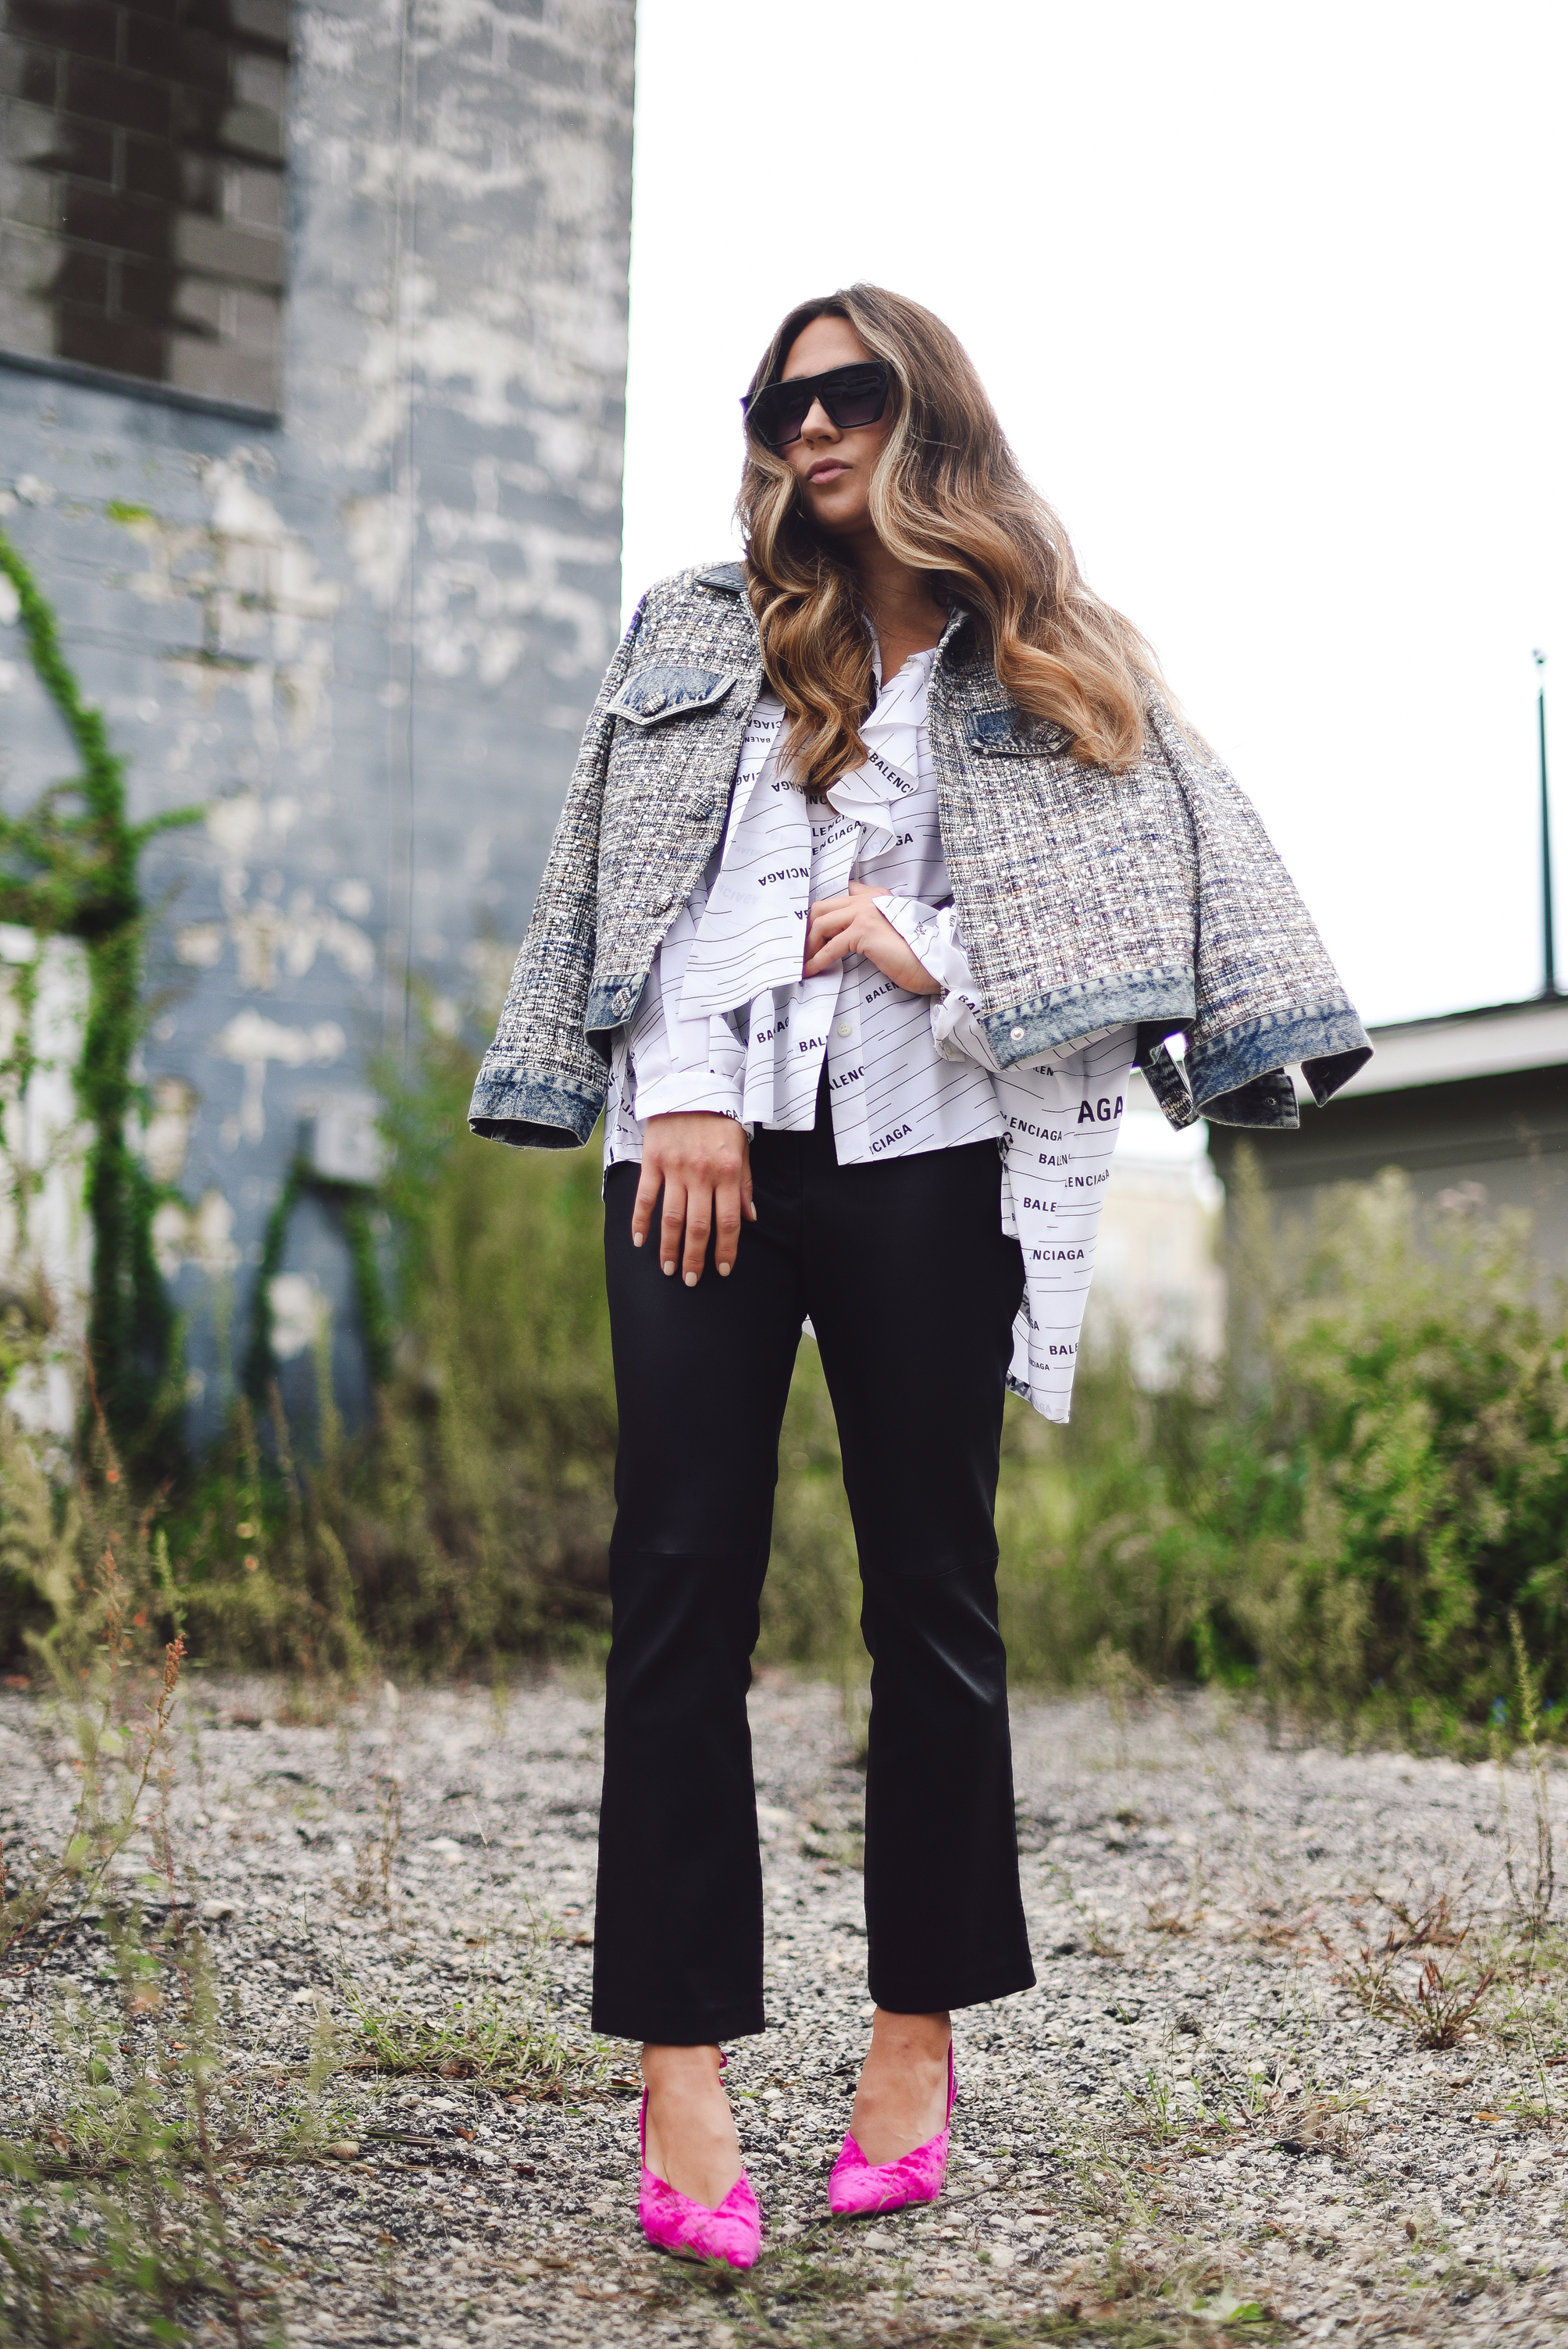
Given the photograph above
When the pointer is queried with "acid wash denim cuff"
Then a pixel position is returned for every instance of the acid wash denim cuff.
(531, 1109)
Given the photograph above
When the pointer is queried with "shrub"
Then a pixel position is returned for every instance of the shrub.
(1379, 1477)
(1410, 1436)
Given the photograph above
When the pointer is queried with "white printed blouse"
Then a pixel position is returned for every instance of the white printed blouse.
(727, 1023)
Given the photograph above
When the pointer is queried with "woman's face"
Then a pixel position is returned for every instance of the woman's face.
(833, 468)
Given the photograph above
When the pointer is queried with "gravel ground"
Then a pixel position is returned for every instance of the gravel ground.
(1193, 2129)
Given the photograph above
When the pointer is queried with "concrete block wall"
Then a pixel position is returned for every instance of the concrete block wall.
(364, 638)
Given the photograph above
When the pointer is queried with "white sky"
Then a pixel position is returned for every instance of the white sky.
(1271, 302)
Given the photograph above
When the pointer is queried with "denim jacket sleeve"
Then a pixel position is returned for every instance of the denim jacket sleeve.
(542, 1083)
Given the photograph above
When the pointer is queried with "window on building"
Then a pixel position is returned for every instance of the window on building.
(141, 190)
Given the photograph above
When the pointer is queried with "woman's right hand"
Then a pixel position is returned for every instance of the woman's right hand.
(701, 1163)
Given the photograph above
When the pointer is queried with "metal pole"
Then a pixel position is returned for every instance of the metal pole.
(1547, 937)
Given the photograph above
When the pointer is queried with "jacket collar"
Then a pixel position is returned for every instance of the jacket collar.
(729, 579)
(725, 578)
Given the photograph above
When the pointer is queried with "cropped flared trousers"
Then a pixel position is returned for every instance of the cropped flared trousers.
(912, 1288)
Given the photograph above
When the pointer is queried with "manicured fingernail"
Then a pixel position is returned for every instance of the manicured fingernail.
(669, 1268)
(636, 1240)
(724, 1272)
(691, 1280)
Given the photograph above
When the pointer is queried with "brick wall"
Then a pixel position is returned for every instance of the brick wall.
(141, 189)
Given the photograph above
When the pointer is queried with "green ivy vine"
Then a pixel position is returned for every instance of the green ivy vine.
(69, 867)
(353, 1204)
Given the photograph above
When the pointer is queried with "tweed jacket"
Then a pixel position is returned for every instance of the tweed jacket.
(1084, 898)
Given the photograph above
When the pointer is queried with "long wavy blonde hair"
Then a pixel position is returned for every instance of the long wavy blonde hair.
(948, 497)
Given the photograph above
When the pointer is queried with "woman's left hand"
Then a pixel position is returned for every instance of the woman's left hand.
(854, 924)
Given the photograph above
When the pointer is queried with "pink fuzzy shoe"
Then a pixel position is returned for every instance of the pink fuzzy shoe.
(672, 2221)
(857, 2186)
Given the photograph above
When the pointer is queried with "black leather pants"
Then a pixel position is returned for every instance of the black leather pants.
(911, 1290)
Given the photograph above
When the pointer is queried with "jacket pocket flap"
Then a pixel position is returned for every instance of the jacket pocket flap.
(650, 695)
(1011, 733)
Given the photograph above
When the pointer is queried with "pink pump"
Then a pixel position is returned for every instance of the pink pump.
(858, 2187)
(672, 2221)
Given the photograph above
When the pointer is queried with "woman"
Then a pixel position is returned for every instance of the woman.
(883, 862)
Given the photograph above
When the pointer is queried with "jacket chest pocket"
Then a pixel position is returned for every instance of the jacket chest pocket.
(657, 695)
(671, 763)
(1011, 733)
(1033, 757)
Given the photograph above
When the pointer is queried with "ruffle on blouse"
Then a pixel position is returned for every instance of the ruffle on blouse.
(781, 854)
(778, 854)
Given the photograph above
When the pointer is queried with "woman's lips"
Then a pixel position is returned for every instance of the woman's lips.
(827, 471)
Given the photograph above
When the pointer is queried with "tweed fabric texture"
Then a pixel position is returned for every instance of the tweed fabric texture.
(1084, 898)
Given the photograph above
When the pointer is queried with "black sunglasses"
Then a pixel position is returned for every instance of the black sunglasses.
(851, 394)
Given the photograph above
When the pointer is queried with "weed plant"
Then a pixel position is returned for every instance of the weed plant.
(514, 2050)
(1443, 1967)
(120, 2222)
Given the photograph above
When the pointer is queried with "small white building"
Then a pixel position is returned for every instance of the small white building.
(1158, 1280)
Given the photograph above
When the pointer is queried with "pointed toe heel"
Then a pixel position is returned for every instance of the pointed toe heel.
(859, 2187)
(730, 2236)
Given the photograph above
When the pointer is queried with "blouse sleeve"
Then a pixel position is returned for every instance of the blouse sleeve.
(681, 1064)
(930, 933)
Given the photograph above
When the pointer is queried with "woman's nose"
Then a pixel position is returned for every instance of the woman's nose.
(818, 425)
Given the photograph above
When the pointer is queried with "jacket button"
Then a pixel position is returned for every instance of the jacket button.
(662, 905)
(1018, 1035)
(653, 703)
